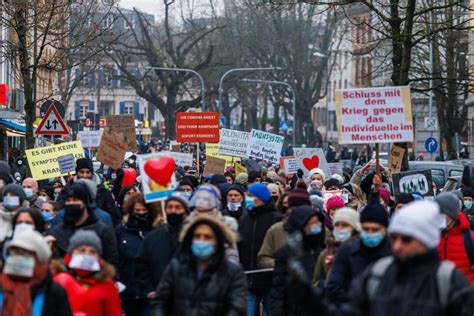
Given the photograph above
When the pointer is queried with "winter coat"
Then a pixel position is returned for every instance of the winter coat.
(130, 236)
(94, 295)
(275, 238)
(101, 215)
(451, 247)
(6, 219)
(154, 254)
(62, 233)
(351, 260)
(252, 229)
(410, 288)
(106, 202)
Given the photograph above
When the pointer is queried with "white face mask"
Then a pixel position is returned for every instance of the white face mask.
(22, 266)
(342, 234)
(84, 262)
(43, 198)
(23, 227)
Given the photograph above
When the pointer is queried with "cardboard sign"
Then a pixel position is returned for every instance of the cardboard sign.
(66, 163)
(43, 161)
(335, 168)
(181, 159)
(239, 168)
(413, 181)
(310, 158)
(289, 164)
(152, 190)
(213, 165)
(112, 149)
(265, 146)
(213, 151)
(374, 115)
(176, 148)
(90, 139)
(197, 127)
(233, 143)
(396, 159)
(125, 126)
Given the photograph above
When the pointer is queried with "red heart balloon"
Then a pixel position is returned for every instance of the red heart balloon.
(160, 170)
(311, 163)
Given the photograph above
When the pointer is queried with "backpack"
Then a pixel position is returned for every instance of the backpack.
(468, 247)
(443, 278)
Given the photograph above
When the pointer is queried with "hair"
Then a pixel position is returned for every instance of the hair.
(279, 203)
(358, 194)
(229, 174)
(35, 215)
(54, 204)
(124, 191)
(253, 175)
(154, 209)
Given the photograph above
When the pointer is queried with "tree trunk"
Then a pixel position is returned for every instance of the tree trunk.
(170, 115)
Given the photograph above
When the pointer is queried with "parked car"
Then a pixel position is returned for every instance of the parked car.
(440, 170)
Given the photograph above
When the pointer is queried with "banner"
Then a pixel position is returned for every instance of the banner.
(90, 139)
(396, 159)
(239, 168)
(124, 125)
(419, 181)
(181, 159)
(157, 176)
(374, 115)
(265, 146)
(289, 164)
(213, 165)
(112, 149)
(43, 161)
(310, 158)
(335, 168)
(197, 127)
(213, 150)
(233, 143)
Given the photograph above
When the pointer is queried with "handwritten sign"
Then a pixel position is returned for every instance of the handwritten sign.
(112, 149)
(213, 150)
(239, 168)
(233, 143)
(310, 158)
(125, 126)
(90, 139)
(396, 159)
(265, 146)
(214, 165)
(413, 181)
(289, 164)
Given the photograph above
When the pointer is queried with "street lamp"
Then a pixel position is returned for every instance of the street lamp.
(203, 86)
(293, 99)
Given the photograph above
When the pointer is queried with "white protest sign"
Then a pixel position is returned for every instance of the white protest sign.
(90, 139)
(289, 164)
(66, 163)
(374, 115)
(233, 143)
(310, 158)
(336, 168)
(181, 159)
(265, 146)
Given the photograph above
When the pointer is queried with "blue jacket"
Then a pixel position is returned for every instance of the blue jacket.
(101, 215)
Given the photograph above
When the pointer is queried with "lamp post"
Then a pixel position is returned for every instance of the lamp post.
(293, 99)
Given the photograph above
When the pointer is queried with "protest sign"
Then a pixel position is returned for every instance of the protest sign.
(396, 159)
(90, 139)
(413, 181)
(124, 125)
(310, 158)
(43, 161)
(176, 148)
(213, 165)
(329, 194)
(374, 115)
(181, 159)
(66, 163)
(346, 163)
(213, 150)
(112, 149)
(265, 146)
(239, 168)
(252, 165)
(233, 143)
(197, 127)
(335, 168)
(157, 175)
(289, 164)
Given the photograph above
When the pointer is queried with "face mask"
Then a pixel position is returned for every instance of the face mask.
(46, 216)
(188, 195)
(10, 202)
(174, 219)
(84, 262)
(21, 266)
(18, 179)
(72, 213)
(113, 176)
(202, 249)
(28, 192)
(249, 202)
(283, 209)
(43, 198)
(19, 162)
(468, 204)
(342, 234)
(345, 198)
(233, 207)
(23, 227)
(315, 230)
(275, 198)
(371, 240)
(142, 217)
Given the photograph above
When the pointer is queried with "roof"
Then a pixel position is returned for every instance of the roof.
(15, 129)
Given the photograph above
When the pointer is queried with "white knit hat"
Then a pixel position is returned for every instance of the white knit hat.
(33, 241)
(349, 216)
(316, 171)
(419, 220)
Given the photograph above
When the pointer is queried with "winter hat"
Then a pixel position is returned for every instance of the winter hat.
(419, 220)
(33, 241)
(374, 212)
(84, 163)
(206, 197)
(78, 191)
(179, 197)
(298, 197)
(90, 185)
(466, 192)
(448, 204)
(186, 181)
(316, 171)
(315, 192)
(334, 201)
(49, 190)
(299, 217)
(348, 187)
(16, 190)
(338, 177)
(418, 196)
(260, 191)
(317, 201)
(85, 238)
(5, 172)
(242, 178)
(384, 195)
(404, 198)
(331, 182)
(273, 186)
(217, 179)
(236, 187)
(349, 216)
(194, 181)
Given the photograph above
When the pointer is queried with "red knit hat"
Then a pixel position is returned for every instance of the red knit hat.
(334, 201)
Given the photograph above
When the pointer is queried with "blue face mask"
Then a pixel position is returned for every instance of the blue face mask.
(233, 207)
(315, 230)
(249, 202)
(371, 240)
(202, 249)
(28, 192)
(46, 216)
(188, 195)
(468, 205)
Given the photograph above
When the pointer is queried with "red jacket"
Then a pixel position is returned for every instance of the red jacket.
(451, 247)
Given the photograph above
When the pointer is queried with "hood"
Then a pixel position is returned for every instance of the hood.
(228, 234)
(91, 187)
(107, 272)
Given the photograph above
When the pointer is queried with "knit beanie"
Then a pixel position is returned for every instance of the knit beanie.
(84, 163)
(448, 204)
(260, 191)
(206, 197)
(419, 220)
(33, 241)
(181, 198)
(317, 201)
(299, 217)
(236, 187)
(334, 201)
(78, 191)
(242, 178)
(5, 172)
(217, 179)
(348, 187)
(298, 197)
(349, 216)
(316, 171)
(15, 190)
(375, 213)
(332, 183)
(85, 238)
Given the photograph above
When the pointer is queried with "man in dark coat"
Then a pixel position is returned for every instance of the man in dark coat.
(235, 206)
(253, 226)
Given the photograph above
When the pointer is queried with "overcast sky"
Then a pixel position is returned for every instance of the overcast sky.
(148, 6)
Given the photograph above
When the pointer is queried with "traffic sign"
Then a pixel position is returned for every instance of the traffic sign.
(284, 126)
(431, 145)
(102, 122)
(88, 122)
(222, 122)
(52, 123)
(431, 123)
(46, 105)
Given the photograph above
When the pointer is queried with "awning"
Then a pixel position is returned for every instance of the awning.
(13, 129)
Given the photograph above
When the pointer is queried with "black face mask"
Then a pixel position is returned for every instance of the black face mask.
(275, 198)
(311, 240)
(175, 219)
(144, 218)
(72, 213)
(283, 209)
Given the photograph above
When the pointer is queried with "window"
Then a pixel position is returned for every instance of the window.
(104, 109)
(108, 79)
(83, 110)
(128, 108)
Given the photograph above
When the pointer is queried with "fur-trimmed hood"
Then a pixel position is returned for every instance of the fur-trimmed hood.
(229, 235)
(106, 273)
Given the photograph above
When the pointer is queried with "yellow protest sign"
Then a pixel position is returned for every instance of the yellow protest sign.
(239, 168)
(213, 151)
(43, 161)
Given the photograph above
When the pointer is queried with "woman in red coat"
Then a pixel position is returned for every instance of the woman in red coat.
(88, 280)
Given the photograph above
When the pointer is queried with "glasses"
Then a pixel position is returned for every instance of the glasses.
(404, 239)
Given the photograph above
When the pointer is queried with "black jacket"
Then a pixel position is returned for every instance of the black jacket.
(351, 260)
(106, 202)
(410, 288)
(220, 291)
(153, 256)
(252, 229)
